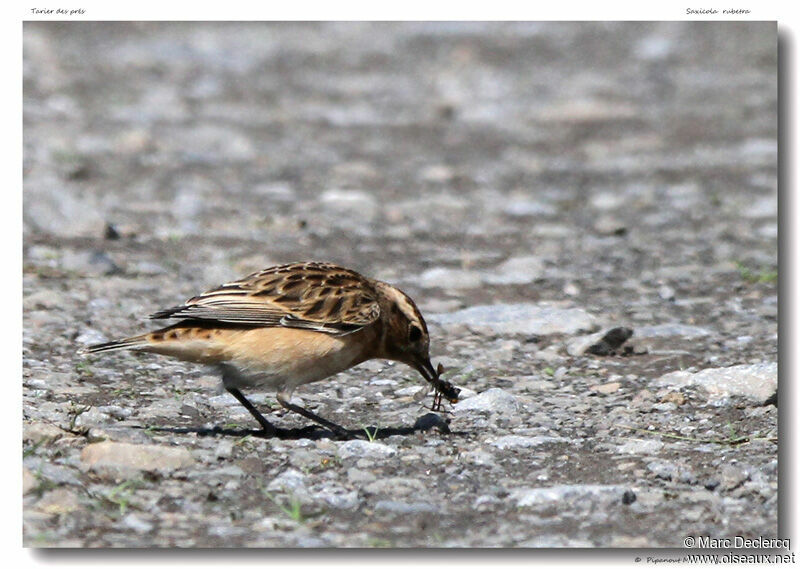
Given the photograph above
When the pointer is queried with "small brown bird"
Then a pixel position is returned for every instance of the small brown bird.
(289, 325)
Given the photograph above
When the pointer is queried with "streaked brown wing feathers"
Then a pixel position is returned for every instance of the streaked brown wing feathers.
(315, 296)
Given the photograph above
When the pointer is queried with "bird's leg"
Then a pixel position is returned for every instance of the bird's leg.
(268, 428)
(231, 380)
(283, 399)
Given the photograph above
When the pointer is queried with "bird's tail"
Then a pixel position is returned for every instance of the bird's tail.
(124, 344)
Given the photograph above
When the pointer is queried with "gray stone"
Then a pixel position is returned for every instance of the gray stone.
(567, 496)
(58, 502)
(136, 523)
(364, 449)
(663, 470)
(755, 382)
(38, 431)
(494, 400)
(640, 447)
(338, 498)
(516, 270)
(672, 330)
(289, 480)
(29, 481)
(114, 460)
(526, 208)
(731, 477)
(526, 319)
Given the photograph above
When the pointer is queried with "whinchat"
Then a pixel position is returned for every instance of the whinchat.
(290, 325)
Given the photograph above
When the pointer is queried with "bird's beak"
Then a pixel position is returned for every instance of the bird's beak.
(425, 367)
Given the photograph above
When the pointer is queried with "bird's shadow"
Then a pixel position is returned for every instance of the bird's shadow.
(427, 422)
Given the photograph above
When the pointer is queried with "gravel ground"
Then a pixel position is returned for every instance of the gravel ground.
(532, 186)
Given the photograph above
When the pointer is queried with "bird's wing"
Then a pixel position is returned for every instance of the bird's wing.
(314, 296)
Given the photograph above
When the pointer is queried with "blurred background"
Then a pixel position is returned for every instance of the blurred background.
(603, 149)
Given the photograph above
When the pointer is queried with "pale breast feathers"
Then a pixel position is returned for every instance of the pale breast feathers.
(315, 296)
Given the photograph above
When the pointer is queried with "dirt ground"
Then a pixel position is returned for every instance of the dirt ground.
(528, 184)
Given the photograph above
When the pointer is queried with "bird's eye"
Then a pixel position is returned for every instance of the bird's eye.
(414, 333)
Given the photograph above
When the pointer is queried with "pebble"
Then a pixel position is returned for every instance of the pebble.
(29, 481)
(123, 460)
(567, 496)
(754, 382)
(606, 388)
(364, 449)
(58, 502)
(136, 523)
(672, 330)
(493, 400)
(731, 477)
(291, 480)
(641, 447)
(38, 431)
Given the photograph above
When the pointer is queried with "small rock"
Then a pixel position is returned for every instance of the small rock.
(358, 476)
(610, 342)
(136, 523)
(115, 460)
(567, 496)
(110, 232)
(290, 479)
(38, 431)
(58, 501)
(43, 299)
(438, 173)
(731, 477)
(606, 388)
(224, 449)
(90, 336)
(643, 398)
(642, 447)
(29, 481)
(609, 225)
(666, 293)
(600, 344)
(675, 397)
(628, 497)
(364, 449)
(339, 499)
(672, 330)
(526, 208)
(755, 382)
(663, 470)
(431, 420)
(494, 400)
